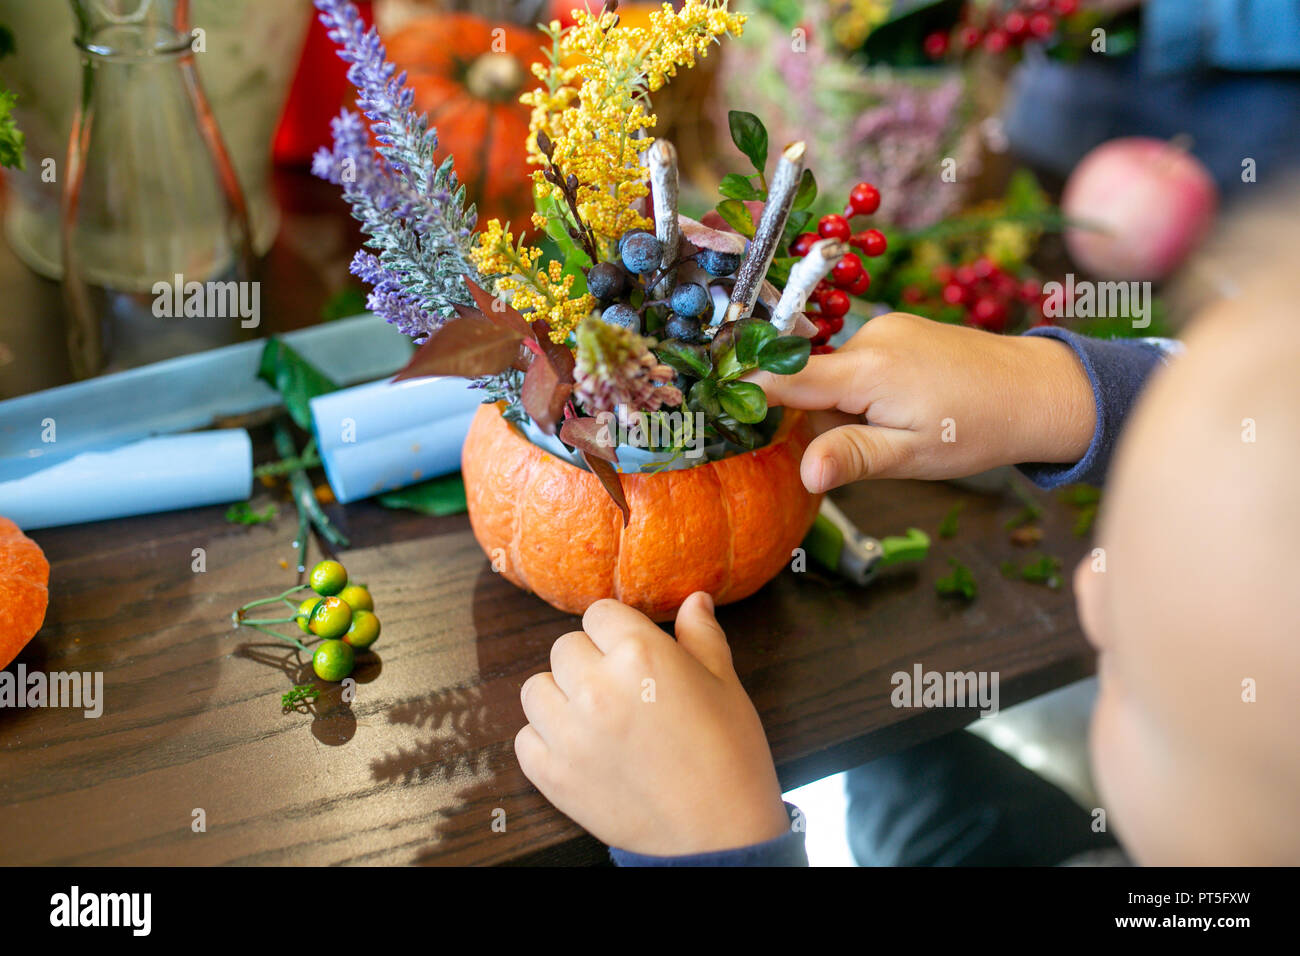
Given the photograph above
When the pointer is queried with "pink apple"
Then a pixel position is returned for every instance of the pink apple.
(1150, 201)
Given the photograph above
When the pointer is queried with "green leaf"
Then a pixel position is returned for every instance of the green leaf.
(703, 397)
(750, 136)
(751, 336)
(795, 224)
(685, 358)
(948, 526)
(296, 379)
(807, 191)
(778, 273)
(242, 513)
(11, 138)
(728, 366)
(743, 401)
(959, 583)
(736, 214)
(736, 186)
(784, 355)
(438, 496)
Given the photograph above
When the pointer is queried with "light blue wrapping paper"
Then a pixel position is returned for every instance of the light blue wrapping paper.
(381, 436)
(157, 474)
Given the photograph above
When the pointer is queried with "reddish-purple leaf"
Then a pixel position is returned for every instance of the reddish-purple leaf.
(465, 347)
(712, 232)
(543, 395)
(557, 353)
(590, 436)
(612, 482)
(498, 311)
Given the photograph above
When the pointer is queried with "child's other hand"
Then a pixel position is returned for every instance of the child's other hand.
(651, 744)
(910, 398)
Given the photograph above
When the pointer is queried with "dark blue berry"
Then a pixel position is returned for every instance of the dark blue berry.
(642, 252)
(684, 327)
(606, 281)
(717, 263)
(624, 315)
(690, 298)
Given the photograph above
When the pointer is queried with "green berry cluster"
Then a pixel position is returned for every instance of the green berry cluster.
(340, 612)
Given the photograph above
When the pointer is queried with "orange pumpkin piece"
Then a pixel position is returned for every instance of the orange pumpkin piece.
(467, 74)
(726, 527)
(24, 590)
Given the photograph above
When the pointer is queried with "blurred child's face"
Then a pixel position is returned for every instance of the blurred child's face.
(1196, 609)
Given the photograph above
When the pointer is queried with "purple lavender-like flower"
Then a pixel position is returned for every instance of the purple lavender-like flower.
(411, 208)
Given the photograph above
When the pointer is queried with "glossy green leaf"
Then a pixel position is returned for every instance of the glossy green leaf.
(685, 358)
(438, 496)
(743, 401)
(736, 186)
(784, 355)
(736, 215)
(296, 379)
(751, 336)
(750, 136)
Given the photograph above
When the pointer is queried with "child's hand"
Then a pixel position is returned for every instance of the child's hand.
(648, 743)
(910, 398)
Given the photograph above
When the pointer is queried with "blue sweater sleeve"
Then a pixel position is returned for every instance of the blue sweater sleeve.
(785, 850)
(1117, 369)
(1244, 35)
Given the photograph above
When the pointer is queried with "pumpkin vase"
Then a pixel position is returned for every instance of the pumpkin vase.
(726, 526)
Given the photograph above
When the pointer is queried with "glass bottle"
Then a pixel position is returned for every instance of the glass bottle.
(154, 231)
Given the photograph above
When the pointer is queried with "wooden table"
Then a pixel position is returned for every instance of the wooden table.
(413, 768)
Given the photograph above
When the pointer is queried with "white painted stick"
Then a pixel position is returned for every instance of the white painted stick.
(780, 200)
(804, 276)
(663, 188)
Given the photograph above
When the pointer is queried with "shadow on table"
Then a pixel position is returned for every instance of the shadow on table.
(333, 722)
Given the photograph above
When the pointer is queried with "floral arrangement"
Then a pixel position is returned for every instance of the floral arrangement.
(625, 310)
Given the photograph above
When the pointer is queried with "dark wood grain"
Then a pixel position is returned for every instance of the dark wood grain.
(412, 769)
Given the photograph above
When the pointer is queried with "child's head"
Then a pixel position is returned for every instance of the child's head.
(1198, 607)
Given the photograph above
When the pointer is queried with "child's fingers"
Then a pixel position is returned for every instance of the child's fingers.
(532, 753)
(572, 657)
(610, 623)
(543, 702)
(853, 452)
(700, 635)
(824, 421)
(837, 380)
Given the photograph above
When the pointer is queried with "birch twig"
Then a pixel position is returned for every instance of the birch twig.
(804, 276)
(780, 200)
(663, 186)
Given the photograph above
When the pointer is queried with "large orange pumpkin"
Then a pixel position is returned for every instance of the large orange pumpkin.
(467, 74)
(24, 590)
(726, 527)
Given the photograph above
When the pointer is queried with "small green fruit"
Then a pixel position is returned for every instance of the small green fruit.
(328, 578)
(358, 597)
(364, 630)
(304, 613)
(331, 618)
(333, 660)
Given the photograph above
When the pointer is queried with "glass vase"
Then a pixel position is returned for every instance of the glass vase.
(154, 229)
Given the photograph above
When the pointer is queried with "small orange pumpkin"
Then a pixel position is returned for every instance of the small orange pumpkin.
(24, 589)
(467, 74)
(726, 527)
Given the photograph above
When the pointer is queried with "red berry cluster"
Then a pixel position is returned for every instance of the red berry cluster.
(990, 296)
(997, 30)
(849, 276)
